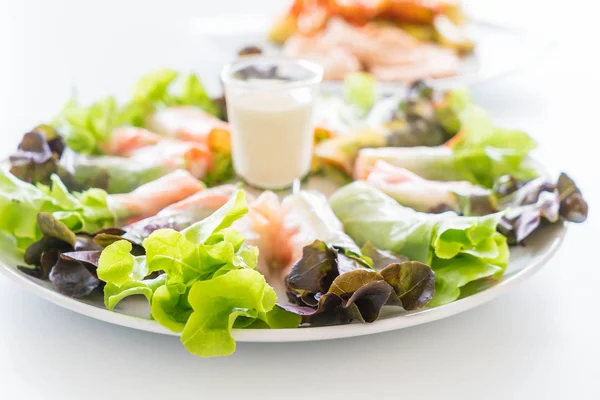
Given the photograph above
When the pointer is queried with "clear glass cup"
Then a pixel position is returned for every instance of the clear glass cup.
(270, 107)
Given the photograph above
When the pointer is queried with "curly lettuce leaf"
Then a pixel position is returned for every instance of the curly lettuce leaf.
(208, 282)
(470, 246)
(484, 152)
(85, 128)
(218, 304)
(113, 293)
(20, 203)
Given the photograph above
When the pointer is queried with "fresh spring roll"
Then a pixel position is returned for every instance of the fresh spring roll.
(480, 153)
(182, 214)
(186, 123)
(125, 140)
(282, 229)
(152, 197)
(434, 163)
(263, 227)
(110, 173)
(461, 250)
(424, 195)
(145, 164)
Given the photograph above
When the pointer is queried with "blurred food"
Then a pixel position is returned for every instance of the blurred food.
(395, 40)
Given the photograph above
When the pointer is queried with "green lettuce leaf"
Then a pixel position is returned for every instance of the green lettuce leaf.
(455, 247)
(84, 128)
(113, 293)
(208, 282)
(218, 303)
(20, 203)
(117, 265)
(485, 152)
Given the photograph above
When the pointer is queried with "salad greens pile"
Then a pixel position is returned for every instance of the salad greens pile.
(98, 201)
(21, 202)
(209, 283)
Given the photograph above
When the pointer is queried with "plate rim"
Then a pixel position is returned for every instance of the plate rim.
(304, 334)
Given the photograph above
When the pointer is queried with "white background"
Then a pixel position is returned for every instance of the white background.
(539, 341)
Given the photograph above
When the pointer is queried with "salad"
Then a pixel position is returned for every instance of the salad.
(139, 198)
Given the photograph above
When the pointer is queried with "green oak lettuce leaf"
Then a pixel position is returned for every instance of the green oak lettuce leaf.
(484, 152)
(240, 295)
(113, 293)
(85, 128)
(459, 249)
(20, 203)
(208, 282)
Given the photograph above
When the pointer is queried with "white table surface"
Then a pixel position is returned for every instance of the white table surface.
(539, 341)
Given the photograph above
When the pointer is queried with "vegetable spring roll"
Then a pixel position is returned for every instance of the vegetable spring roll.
(435, 163)
(186, 123)
(125, 140)
(196, 158)
(152, 197)
(282, 230)
(264, 228)
(182, 214)
(144, 164)
(146, 146)
(459, 249)
(111, 173)
(424, 195)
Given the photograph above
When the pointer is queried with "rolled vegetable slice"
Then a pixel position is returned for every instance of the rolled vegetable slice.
(186, 123)
(424, 195)
(111, 173)
(125, 140)
(152, 197)
(282, 230)
(435, 163)
(459, 249)
(183, 213)
(263, 228)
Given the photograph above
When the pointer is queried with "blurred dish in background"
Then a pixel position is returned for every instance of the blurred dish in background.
(395, 40)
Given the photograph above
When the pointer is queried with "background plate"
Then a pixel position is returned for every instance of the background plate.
(499, 50)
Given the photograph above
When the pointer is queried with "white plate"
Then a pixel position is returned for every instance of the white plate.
(499, 51)
(133, 312)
